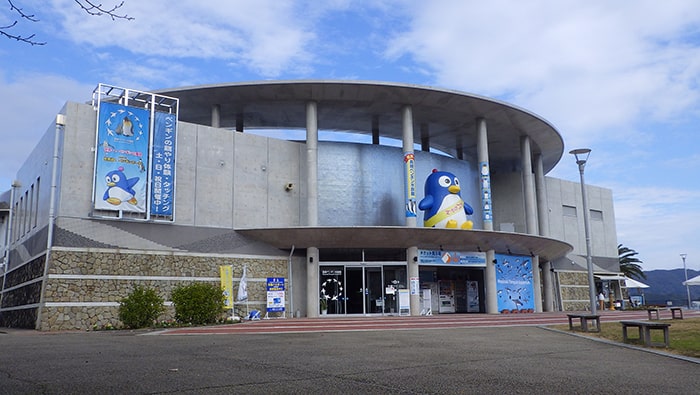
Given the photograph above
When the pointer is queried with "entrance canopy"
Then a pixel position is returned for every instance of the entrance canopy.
(403, 237)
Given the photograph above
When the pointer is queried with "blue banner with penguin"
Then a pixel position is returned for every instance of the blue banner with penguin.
(163, 171)
(121, 158)
(514, 285)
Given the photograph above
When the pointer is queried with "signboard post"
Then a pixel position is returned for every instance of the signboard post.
(275, 296)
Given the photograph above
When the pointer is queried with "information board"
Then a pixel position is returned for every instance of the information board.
(275, 294)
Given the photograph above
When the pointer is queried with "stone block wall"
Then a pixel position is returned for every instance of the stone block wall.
(574, 291)
(84, 287)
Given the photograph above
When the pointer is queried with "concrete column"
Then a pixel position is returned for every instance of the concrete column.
(490, 286)
(411, 205)
(536, 285)
(424, 138)
(239, 122)
(413, 273)
(543, 221)
(312, 163)
(375, 130)
(531, 220)
(542, 206)
(482, 153)
(216, 116)
(528, 185)
(409, 166)
(313, 294)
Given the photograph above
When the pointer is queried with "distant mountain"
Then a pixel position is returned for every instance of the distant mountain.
(667, 285)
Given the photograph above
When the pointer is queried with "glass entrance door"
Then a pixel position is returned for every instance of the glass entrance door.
(365, 294)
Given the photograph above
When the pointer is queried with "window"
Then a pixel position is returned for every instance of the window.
(597, 215)
(569, 211)
(36, 201)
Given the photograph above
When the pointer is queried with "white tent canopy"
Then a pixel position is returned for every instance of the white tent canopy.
(628, 282)
(692, 281)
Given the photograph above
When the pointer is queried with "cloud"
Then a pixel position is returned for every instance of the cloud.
(266, 36)
(588, 66)
(659, 223)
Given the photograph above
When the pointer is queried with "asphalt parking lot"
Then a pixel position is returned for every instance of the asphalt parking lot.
(504, 360)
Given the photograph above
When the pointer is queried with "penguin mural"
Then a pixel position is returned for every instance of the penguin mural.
(443, 204)
(119, 188)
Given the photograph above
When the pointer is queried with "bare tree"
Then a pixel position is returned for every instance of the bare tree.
(90, 7)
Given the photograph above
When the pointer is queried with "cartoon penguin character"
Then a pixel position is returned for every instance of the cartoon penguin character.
(443, 204)
(119, 188)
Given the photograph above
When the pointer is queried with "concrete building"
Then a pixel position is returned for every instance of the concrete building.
(336, 218)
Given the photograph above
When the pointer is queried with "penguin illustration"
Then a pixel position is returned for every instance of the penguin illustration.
(443, 204)
(125, 127)
(119, 188)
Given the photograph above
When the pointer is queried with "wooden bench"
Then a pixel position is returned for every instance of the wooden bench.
(584, 319)
(653, 310)
(676, 312)
(645, 328)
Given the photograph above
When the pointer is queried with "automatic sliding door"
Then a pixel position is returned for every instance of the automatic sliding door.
(361, 289)
(333, 289)
(374, 298)
(356, 290)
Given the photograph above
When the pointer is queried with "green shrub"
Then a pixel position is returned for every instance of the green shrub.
(198, 303)
(141, 308)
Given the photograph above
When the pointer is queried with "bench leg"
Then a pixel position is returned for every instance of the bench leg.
(626, 338)
(584, 324)
(571, 324)
(647, 336)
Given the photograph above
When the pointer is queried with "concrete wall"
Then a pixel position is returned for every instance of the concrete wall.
(508, 202)
(363, 185)
(562, 193)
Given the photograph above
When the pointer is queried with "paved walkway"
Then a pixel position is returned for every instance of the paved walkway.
(379, 323)
(476, 354)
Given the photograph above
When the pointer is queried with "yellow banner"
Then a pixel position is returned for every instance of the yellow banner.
(226, 273)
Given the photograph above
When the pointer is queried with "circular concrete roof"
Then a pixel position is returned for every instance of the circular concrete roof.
(403, 237)
(446, 118)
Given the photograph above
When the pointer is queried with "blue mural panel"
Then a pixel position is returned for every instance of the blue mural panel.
(514, 285)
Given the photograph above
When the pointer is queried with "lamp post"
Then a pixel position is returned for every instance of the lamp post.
(687, 289)
(581, 156)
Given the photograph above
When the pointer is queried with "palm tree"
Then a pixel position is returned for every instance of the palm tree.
(629, 264)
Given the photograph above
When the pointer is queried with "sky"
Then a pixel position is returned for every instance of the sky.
(619, 77)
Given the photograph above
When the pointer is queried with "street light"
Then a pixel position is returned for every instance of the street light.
(687, 289)
(581, 156)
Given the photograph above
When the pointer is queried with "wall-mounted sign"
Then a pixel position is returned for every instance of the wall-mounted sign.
(451, 258)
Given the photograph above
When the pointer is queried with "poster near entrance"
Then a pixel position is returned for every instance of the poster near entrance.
(275, 294)
(514, 284)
